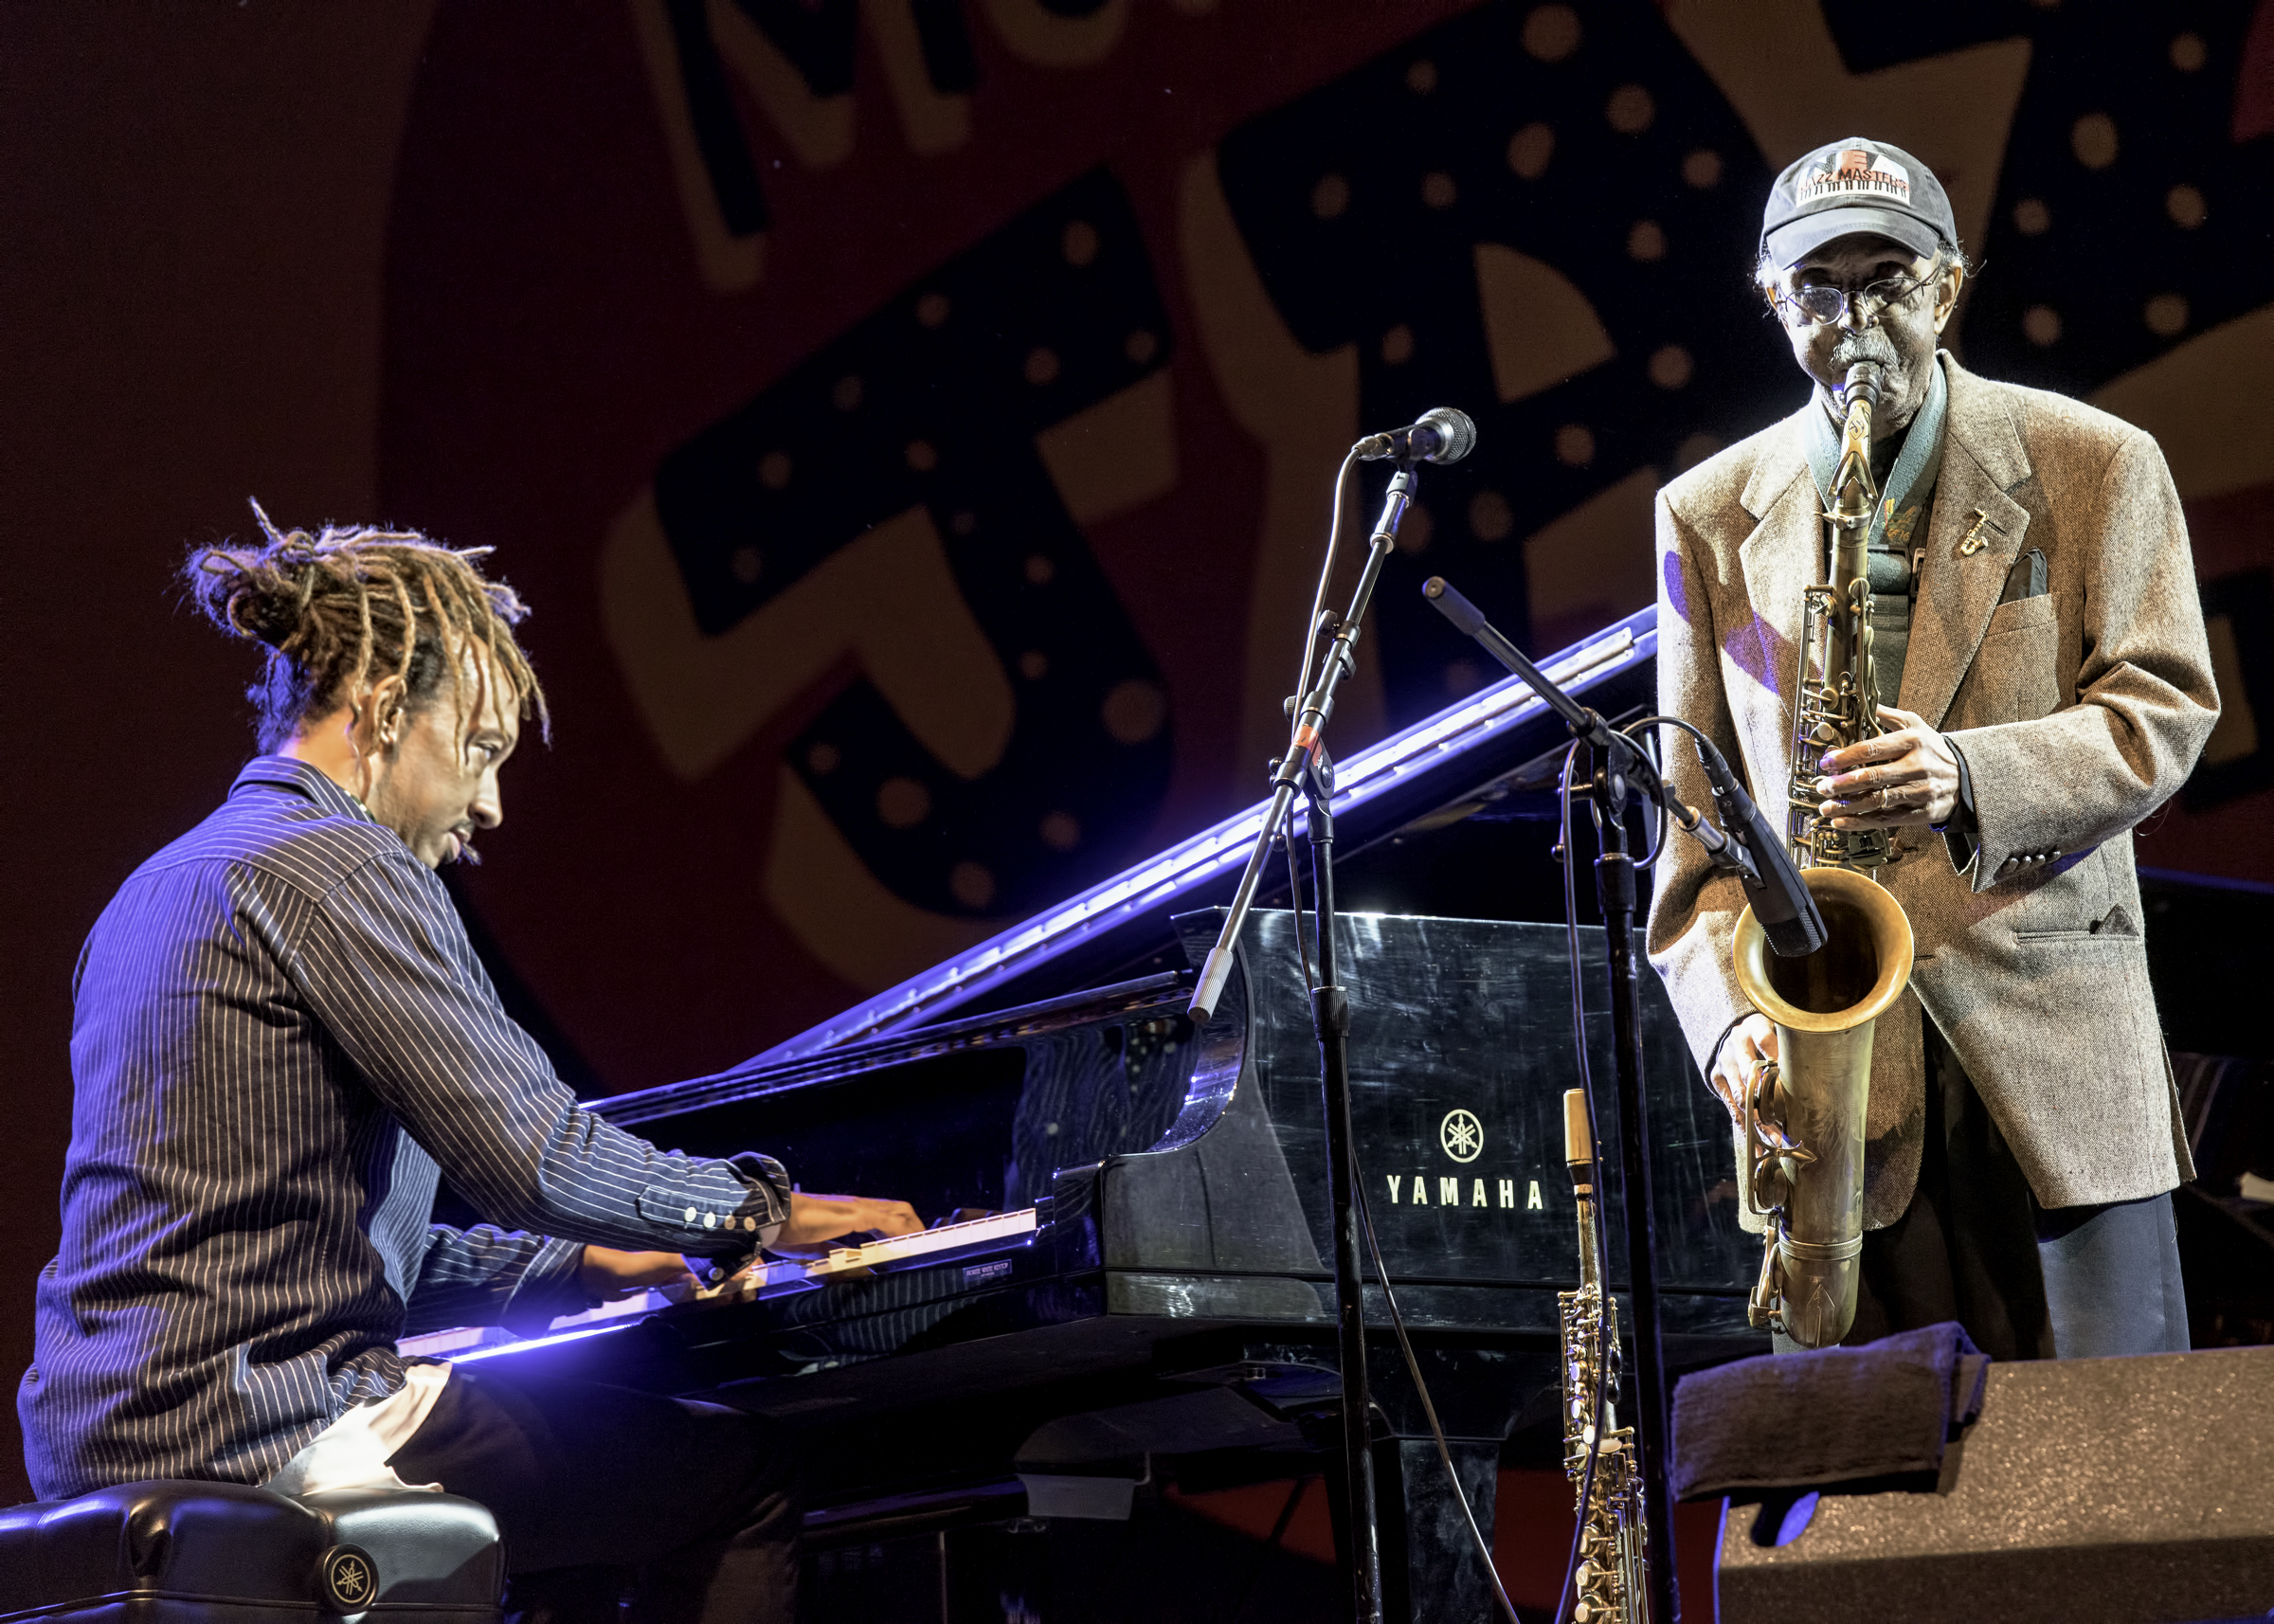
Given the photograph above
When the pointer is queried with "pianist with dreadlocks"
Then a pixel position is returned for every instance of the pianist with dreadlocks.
(283, 1039)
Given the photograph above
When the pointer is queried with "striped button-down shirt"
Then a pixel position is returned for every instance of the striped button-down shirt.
(282, 1036)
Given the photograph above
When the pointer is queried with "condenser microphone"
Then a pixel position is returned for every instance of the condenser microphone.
(1781, 901)
(1442, 435)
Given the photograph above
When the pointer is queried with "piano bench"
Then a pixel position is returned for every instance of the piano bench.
(226, 1553)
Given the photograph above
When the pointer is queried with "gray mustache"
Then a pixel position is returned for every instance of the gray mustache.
(1868, 345)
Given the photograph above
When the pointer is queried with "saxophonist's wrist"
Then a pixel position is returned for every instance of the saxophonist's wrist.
(1961, 818)
(1713, 1056)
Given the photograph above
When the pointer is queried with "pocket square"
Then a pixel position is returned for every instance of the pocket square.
(2026, 579)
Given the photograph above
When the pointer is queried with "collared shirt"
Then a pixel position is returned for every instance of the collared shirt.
(281, 1038)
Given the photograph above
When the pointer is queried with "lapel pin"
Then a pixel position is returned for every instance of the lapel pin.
(1975, 540)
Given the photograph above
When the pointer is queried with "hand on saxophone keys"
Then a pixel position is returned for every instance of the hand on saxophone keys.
(1904, 777)
(1749, 1046)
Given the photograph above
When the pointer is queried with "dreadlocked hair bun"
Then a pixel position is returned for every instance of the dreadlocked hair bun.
(347, 606)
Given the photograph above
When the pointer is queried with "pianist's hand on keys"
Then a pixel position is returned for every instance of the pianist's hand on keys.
(816, 1220)
(612, 1275)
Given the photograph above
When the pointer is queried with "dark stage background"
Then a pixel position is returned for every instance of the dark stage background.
(912, 420)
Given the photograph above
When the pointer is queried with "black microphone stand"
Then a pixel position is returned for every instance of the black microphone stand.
(1616, 894)
(1307, 767)
(1620, 765)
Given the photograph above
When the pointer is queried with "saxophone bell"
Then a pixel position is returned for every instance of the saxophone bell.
(1804, 1111)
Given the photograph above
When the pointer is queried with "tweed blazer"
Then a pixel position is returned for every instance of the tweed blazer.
(2078, 711)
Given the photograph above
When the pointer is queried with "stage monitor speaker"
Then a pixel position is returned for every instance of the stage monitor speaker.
(2090, 1491)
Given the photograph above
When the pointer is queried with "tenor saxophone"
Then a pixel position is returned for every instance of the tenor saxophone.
(1608, 1582)
(1803, 1113)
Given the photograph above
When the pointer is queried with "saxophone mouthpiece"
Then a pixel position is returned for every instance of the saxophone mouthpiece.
(1578, 1149)
(1867, 381)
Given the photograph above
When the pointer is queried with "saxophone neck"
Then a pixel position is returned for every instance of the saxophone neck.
(1854, 491)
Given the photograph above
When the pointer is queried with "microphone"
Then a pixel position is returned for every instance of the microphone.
(1442, 435)
(1781, 901)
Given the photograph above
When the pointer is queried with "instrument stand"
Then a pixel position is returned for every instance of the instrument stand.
(1306, 767)
(1614, 892)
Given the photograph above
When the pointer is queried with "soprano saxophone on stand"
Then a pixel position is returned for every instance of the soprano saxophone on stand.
(1608, 1582)
(1804, 1111)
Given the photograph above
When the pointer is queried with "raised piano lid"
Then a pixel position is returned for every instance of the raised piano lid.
(1378, 791)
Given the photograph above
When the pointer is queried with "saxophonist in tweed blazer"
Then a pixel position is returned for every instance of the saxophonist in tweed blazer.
(2046, 685)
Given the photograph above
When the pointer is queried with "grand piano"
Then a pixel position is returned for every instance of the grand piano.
(1129, 1287)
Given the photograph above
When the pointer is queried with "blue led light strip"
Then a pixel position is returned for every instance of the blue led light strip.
(578, 1334)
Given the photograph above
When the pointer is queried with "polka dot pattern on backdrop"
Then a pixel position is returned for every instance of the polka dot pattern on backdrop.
(2115, 234)
(1558, 171)
(932, 404)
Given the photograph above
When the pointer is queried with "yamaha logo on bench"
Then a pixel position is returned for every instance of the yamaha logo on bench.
(348, 1579)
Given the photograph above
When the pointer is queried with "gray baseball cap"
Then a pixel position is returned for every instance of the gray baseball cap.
(1851, 185)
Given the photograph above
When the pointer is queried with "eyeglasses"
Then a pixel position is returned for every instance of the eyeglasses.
(1825, 303)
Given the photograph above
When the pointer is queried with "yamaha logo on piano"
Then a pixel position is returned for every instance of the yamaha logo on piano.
(1461, 1136)
(1419, 1190)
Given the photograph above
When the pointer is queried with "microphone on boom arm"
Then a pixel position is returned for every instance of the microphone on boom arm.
(1442, 435)
(1746, 844)
(1781, 901)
